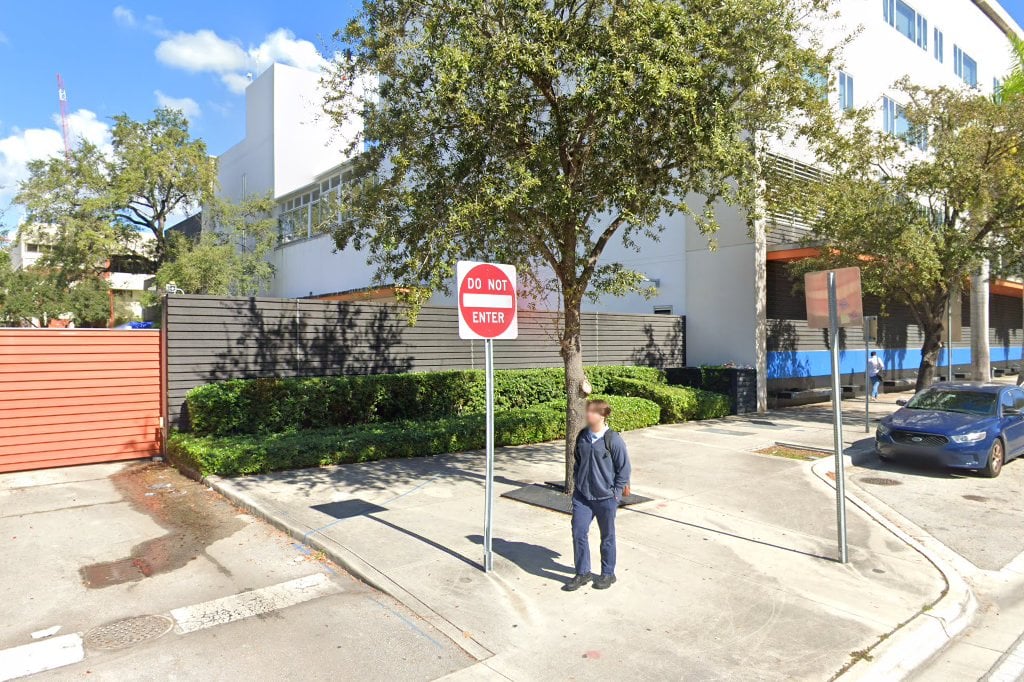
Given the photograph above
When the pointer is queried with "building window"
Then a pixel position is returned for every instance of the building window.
(907, 21)
(940, 52)
(662, 310)
(845, 91)
(965, 67)
(894, 122)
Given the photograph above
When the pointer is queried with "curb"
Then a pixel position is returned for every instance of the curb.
(354, 564)
(917, 640)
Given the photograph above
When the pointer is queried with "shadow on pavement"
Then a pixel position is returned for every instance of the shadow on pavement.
(347, 509)
(534, 559)
(731, 535)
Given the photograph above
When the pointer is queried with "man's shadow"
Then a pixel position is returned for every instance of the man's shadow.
(534, 559)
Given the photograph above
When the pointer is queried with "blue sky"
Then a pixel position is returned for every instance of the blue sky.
(130, 57)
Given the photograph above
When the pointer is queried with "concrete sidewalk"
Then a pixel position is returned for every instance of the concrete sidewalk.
(727, 574)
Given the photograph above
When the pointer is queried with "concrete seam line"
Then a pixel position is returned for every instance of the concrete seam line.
(917, 640)
(354, 564)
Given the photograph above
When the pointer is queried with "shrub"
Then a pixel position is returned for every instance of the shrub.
(271, 405)
(677, 403)
(250, 454)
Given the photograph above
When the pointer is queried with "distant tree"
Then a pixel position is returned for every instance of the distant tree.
(537, 133)
(157, 169)
(917, 212)
(94, 203)
(230, 257)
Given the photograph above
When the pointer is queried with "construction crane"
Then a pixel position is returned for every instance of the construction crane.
(62, 97)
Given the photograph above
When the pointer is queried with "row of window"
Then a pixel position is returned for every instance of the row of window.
(307, 212)
(914, 26)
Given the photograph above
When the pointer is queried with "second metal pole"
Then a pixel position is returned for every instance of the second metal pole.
(837, 416)
(489, 474)
(949, 339)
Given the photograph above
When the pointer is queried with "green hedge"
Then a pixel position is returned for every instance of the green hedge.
(241, 406)
(250, 454)
(677, 403)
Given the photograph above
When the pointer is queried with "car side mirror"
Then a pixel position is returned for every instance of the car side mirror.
(901, 403)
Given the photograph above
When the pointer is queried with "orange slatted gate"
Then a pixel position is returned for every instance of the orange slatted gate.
(75, 396)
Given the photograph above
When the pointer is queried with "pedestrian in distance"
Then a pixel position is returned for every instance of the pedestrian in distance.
(602, 472)
(875, 369)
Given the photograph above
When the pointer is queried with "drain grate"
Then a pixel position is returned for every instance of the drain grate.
(128, 632)
(874, 480)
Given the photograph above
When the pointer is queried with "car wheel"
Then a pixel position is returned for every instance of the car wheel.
(996, 457)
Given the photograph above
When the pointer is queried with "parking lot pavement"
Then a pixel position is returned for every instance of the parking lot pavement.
(981, 519)
(223, 596)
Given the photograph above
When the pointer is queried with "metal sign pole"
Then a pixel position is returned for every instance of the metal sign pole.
(837, 416)
(949, 339)
(867, 375)
(489, 475)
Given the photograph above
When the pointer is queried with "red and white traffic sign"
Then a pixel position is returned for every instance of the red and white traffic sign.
(487, 300)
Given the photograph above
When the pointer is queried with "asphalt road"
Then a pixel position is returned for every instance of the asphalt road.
(92, 546)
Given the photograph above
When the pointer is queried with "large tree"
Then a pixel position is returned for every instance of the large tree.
(536, 132)
(918, 211)
(96, 201)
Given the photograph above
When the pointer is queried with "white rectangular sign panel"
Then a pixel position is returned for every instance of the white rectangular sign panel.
(487, 300)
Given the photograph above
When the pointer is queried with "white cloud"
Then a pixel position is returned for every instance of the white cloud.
(205, 51)
(236, 82)
(22, 146)
(185, 105)
(282, 46)
(124, 16)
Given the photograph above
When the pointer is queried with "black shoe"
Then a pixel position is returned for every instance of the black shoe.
(603, 582)
(577, 582)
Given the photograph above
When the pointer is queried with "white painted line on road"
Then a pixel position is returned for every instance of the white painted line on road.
(37, 657)
(247, 604)
(486, 301)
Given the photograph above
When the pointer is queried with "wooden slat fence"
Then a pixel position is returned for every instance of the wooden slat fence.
(70, 396)
(213, 338)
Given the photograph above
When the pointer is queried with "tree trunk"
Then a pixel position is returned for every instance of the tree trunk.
(930, 350)
(572, 356)
(981, 358)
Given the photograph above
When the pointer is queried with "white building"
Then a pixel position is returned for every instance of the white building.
(290, 148)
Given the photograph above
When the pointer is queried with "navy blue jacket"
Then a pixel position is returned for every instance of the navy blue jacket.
(601, 474)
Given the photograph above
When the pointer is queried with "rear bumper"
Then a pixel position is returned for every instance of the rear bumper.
(952, 455)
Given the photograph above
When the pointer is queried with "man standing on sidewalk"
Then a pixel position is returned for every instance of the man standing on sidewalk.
(875, 369)
(602, 474)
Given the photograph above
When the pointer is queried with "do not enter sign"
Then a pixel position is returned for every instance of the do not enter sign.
(487, 300)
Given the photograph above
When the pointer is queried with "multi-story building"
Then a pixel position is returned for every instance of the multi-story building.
(129, 274)
(732, 295)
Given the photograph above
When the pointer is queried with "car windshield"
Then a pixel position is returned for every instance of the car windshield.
(950, 400)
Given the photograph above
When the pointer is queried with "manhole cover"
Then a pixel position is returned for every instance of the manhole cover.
(128, 632)
(874, 480)
(975, 498)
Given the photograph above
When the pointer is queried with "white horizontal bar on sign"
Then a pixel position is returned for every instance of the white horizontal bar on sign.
(486, 301)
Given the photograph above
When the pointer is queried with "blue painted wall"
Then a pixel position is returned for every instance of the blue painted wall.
(816, 363)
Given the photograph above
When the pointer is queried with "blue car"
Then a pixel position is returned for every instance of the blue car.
(959, 425)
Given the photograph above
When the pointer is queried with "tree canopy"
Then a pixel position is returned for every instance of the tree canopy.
(536, 133)
(230, 257)
(917, 212)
